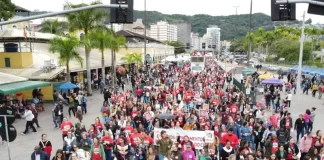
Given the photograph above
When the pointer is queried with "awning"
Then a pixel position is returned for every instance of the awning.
(21, 86)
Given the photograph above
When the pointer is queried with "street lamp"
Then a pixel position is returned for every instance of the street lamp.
(250, 27)
(144, 27)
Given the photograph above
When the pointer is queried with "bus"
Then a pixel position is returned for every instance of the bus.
(197, 63)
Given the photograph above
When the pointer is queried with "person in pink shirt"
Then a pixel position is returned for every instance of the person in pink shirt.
(274, 118)
(307, 117)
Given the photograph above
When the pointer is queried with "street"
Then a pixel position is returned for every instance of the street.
(24, 145)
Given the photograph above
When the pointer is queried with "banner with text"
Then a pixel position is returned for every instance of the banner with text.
(199, 138)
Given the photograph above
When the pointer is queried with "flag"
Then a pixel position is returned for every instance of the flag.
(25, 33)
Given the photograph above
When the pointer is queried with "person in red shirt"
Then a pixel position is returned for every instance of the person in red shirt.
(230, 137)
(147, 140)
(274, 143)
(108, 143)
(66, 126)
(96, 149)
(129, 129)
(121, 98)
(135, 138)
(233, 110)
(185, 142)
(98, 124)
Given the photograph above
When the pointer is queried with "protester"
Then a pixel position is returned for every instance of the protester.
(38, 154)
(29, 116)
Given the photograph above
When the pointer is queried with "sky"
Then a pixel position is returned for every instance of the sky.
(187, 7)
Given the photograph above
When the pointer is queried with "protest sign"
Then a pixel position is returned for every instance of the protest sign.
(203, 113)
(199, 138)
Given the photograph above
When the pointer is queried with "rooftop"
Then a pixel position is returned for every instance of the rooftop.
(132, 36)
(8, 78)
(14, 34)
(21, 9)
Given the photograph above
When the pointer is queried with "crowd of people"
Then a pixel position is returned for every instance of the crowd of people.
(153, 120)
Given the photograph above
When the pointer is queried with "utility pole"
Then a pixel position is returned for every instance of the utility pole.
(302, 37)
(145, 28)
(7, 133)
(113, 69)
(250, 28)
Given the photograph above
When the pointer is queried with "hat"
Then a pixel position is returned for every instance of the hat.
(188, 146)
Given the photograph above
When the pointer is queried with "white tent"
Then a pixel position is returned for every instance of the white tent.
(11, 33)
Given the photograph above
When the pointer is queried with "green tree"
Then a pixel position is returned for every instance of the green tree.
(269, 37)
(237, 45)
(7, 10)
(67, 48)
(101, 38)
(85, 21)
(54, 27)
(178, 46)
(133, 58)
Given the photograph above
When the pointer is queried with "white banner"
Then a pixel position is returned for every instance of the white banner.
(199, 138)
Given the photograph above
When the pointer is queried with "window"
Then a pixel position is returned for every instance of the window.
(197, 59)
(7, 62)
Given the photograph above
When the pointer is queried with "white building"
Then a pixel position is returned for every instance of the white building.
(213, 34)
(163, 31)
(195, 41)
(116, 27)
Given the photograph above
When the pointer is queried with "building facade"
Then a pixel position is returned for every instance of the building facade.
(195, 41)
(183, 32)
(163, 31)
(213, 34)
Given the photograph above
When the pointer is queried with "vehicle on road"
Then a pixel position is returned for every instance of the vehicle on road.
(272, 68)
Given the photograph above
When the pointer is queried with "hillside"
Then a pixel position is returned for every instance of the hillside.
(227, 23)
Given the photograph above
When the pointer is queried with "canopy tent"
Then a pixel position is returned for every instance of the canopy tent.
(272, 81)
(318, 71)
(307, 69)
(11, 88)
(67, 86)
(248, 70)
(293, 69)
(265, 76)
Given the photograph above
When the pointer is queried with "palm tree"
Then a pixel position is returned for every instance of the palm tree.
(138, 59)
(269, 37)
(131, 58)
(67, 49)
(128, 59)
(54, 27)
(101, 39)
(116, 43)
(85, 21)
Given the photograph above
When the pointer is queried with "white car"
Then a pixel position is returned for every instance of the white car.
(272, 68)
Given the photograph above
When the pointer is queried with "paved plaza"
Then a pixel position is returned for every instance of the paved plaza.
(23, 146)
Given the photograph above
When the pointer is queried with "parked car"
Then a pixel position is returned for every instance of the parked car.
(272, 68)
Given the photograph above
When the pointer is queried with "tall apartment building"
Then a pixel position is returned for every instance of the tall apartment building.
(195, 41)
(183, 32)
(213, 34)
(163, 31)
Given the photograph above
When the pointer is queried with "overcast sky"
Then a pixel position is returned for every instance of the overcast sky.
(188, 7)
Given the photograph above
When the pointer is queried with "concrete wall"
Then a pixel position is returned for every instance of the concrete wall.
(17, 59)
(47, 91)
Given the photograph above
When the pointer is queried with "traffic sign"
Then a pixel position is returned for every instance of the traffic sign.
(12, 132)
(8, 111)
